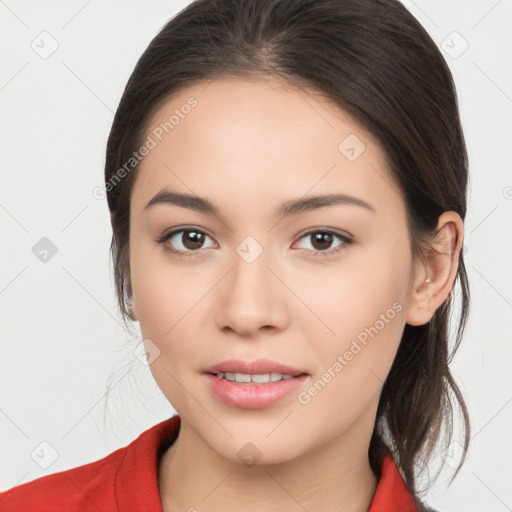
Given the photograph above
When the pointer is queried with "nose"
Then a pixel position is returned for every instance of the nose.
(251, 297)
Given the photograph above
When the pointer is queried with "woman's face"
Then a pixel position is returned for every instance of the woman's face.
(251, 282)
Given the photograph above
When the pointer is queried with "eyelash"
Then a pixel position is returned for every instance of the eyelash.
(190, 254)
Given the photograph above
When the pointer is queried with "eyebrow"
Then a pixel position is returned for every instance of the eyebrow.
(286, 209)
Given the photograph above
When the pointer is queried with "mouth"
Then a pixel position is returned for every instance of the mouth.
(253, 385)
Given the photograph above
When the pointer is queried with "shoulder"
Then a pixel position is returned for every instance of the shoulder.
(126, 479)
(84, 488)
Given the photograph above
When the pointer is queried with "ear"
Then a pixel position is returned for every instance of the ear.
(132, 311)
(433, 283)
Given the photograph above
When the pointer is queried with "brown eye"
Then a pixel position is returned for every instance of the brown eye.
(322, 240)
(191, 239)
(184, 242)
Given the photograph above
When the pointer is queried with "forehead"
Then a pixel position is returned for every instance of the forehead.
(266, 140)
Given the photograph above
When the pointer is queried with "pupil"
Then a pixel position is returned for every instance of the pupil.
(325, 238)
(193, 239)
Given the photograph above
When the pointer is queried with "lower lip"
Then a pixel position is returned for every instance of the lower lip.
(252, 396)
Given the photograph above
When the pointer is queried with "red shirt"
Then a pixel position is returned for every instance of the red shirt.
(126, 480)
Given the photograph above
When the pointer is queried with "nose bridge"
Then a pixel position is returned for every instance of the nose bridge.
(251, 275)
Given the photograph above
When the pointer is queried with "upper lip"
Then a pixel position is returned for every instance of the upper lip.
(258, 366)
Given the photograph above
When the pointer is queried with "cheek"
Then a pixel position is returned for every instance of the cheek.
(171, 314)
(353, 365)
(170, 310)
(359, 321)
(166, 291)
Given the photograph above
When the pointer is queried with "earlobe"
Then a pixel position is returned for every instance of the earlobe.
(436, 280)
(132, 313)
(419, 308)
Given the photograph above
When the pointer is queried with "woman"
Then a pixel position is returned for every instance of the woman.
(287, 187)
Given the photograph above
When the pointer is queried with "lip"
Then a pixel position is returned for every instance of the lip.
(253, 396)
(253, 367)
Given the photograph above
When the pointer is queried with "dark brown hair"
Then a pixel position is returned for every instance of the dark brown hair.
(374, 60)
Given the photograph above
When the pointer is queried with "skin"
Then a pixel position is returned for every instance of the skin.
(247, 147)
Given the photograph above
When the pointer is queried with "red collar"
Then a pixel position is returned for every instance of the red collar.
(392, 493)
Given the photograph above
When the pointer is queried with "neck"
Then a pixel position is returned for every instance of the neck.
(337, 476)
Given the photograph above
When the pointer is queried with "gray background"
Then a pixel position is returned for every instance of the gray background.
(61, 338)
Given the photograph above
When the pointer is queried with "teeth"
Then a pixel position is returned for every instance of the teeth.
(260, 378)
